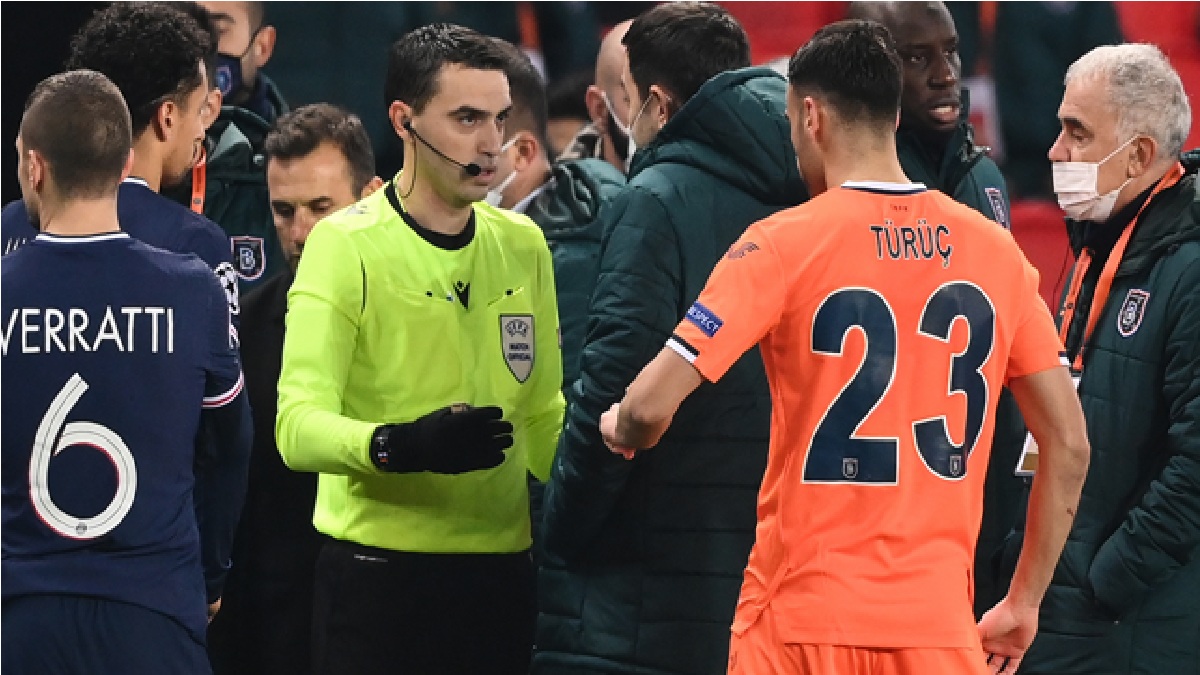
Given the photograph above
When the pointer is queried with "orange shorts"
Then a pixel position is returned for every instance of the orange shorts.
(758, 651)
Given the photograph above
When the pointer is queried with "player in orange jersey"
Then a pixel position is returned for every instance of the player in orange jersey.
(888, 316)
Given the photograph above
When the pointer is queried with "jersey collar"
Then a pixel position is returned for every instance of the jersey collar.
(885, 187)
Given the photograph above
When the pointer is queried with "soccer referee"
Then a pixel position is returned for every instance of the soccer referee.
(420, 379)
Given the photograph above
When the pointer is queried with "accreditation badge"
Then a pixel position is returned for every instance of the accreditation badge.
(516, 342)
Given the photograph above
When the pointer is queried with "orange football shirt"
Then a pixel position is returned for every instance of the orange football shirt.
(889, 317)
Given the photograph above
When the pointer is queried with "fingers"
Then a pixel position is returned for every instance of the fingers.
(498, 427)
(1002, 665)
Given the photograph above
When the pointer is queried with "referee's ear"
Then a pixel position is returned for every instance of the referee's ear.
(400, 114)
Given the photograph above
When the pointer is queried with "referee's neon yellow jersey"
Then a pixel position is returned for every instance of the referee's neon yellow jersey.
(384, 326)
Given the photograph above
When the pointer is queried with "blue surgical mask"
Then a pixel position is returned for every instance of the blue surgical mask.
(230, 77)
(229, 74)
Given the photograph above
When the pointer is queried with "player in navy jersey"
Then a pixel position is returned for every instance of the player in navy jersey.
(113, 351)
(154, 53)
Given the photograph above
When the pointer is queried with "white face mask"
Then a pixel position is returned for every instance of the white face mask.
(629, 131)
(496, 194)
(625, 131)
(1077, 184)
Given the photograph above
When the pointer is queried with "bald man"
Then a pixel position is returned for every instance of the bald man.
(937, 147)
(607, 137)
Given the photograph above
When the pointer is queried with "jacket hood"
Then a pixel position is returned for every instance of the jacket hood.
(735, 128)
(571, 203)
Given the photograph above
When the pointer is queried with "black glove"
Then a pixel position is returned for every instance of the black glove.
(455, 439)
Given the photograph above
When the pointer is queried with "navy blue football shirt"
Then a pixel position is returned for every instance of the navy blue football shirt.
(111, 348)
(151, 218)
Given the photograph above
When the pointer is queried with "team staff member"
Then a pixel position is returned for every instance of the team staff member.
(421, 344)
(102, 564)
(319, 161)
(1123, 601)
(871, 501)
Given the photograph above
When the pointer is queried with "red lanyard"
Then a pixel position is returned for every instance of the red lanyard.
(199, 181)
(1104, 284)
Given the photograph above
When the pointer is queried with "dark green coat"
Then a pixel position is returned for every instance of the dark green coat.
(236, 195)
(568, 212)
(1125, 598)
(644, 558)
(967, 174)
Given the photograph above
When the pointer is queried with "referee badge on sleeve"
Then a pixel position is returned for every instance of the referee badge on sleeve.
(516, 341)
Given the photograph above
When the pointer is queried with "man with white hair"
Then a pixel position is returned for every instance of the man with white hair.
(1123, 599)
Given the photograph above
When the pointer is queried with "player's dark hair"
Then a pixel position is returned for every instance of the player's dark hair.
(150, 50)
(852, 64)
(204, 19)
(298, 133)
(79, 123)
(417, 58)
(528, 94)
(681, 45)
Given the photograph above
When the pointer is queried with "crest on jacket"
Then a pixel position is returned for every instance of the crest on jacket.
(249, 256)
(1129, 319)
(516, 343)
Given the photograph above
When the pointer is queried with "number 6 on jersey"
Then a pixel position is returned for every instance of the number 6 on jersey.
(90, 434)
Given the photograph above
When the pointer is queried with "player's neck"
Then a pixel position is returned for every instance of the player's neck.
(429, 209)
(81, 217)
(147, 160)
(858, 163)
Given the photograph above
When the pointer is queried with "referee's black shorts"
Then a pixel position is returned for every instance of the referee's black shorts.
(379, 611)
(78, 635)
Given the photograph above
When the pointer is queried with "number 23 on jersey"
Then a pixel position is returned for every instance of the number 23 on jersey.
(838, 452)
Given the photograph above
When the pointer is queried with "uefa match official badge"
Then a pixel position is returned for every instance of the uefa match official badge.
(1129, 319)
(516, 341)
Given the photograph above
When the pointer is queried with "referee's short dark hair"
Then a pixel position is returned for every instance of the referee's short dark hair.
(299, 132)
(416, 59)
(152, 51)
(78, 122)
(852, 64)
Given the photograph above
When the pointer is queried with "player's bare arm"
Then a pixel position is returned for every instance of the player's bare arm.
(650, 402)
(1053, 414)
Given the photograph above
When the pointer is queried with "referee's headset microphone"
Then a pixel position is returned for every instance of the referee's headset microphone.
(472, 169)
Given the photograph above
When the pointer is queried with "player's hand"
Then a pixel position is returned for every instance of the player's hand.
(213, 609)
(608, 431)
(1006, 632)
